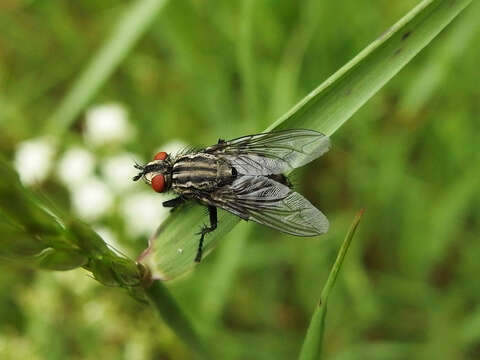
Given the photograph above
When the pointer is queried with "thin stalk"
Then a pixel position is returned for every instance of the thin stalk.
(312, 346)
(166, 306)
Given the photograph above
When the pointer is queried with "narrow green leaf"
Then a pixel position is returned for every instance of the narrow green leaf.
(131, 26)
(342, 94)
(426, 82)
(312, 346)
(168, 309)
(325, 109)
(174, 245)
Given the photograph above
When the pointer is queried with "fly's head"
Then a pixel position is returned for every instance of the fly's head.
(157, 173)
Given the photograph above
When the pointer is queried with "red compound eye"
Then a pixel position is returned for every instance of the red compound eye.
(160, 156)
(158, 183)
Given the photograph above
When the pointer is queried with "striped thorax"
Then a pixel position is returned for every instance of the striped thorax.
(188, 175)
(200, 172)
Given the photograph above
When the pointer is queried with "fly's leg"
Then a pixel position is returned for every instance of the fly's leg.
(221, 141)
(212, 211)
(174, 203)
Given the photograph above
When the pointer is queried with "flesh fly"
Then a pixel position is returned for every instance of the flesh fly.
(245, 176)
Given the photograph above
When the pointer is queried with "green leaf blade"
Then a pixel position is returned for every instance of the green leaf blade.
(312, 345)
(328, 106)
(175, 243)
(325, 109)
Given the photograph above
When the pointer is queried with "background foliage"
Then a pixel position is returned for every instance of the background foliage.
(210, 69)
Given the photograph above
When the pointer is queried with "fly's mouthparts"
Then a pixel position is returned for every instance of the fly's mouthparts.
(137, 177)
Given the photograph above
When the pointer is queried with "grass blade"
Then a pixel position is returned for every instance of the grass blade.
(325, 109)
(129, 29)
(342, 94)
(453, 47)
(312, 346)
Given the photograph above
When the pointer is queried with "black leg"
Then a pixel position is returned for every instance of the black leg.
(212, 211)
(221, 141)
(174, 203)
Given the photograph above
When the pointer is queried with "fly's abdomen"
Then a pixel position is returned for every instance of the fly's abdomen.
(204, 172)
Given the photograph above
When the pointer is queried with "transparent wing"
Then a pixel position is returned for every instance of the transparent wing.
(270, 203)
(272, 153)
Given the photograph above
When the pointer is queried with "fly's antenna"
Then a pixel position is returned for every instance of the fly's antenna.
(141, 173)
(145, 169)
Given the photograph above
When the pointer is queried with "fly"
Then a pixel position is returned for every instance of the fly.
(244, 176)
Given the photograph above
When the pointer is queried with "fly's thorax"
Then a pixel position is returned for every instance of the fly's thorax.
(200, 171)
(226, 173)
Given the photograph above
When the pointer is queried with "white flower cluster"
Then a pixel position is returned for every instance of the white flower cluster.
(33, 159)
(98, 186)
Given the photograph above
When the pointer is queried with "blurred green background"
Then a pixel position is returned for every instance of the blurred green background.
(409, 287)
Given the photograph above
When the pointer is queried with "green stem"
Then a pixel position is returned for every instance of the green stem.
(171, 313)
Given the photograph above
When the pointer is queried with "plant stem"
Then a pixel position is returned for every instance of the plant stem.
(169, 310)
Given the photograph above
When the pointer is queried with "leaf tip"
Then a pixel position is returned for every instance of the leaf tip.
(359, 215)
